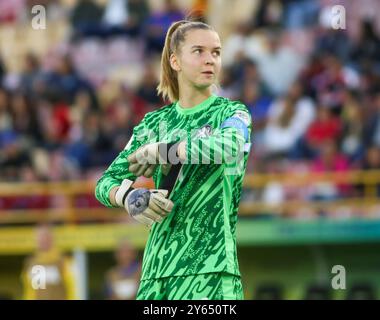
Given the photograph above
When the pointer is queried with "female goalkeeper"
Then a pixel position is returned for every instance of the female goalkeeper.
(196, 150)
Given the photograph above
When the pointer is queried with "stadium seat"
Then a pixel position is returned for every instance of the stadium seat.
(361, 291)
(318, 292)
(269, 291)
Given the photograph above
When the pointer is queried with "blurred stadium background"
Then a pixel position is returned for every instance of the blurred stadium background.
(70, 95)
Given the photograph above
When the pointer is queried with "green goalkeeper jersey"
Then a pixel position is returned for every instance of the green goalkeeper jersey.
(199, 235)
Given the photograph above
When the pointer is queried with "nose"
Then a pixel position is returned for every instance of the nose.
(209, 60)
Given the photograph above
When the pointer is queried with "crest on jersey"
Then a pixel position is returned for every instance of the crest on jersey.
(204, 131)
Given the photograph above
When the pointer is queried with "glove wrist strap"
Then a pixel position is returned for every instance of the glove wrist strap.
(122, 192)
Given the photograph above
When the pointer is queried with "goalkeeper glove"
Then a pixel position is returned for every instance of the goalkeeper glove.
(144, 160)
(145, 206)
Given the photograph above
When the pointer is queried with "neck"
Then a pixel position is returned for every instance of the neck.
(190, 97)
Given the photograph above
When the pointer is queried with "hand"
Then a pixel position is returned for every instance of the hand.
(148, 206)
(145, 159)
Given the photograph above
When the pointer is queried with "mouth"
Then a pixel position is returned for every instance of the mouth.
(208, 72)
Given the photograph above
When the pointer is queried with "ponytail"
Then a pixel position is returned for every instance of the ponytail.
(168, 86)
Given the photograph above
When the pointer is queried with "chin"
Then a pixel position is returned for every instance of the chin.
(204, 85)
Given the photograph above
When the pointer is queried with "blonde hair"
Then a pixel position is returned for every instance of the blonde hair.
(168, 86)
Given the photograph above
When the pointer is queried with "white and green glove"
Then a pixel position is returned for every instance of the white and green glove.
(144, 205)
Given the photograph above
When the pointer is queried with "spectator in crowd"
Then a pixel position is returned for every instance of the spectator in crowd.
(280, 135)
(124, 17)
(138, 11)
(147, 88)
(31, 76)
(122, 280)
(116, 13)
(13, 156)
(371, 161)
(238, 45)
(86, 18)
(326, 127)
(66, 81)
(280, 66)
(366, 50)
(372, 126)
(300, 14)
(335, 41)
(24, 118)
(156, 24)
(289, 118)
(269, 14)
(332, 82)
(48, 274)
(258, 104)
(352, 128)
(330, 160)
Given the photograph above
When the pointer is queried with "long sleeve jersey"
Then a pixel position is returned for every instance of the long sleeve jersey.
(199, 235)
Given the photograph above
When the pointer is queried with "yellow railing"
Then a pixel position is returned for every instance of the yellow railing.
(66, 192)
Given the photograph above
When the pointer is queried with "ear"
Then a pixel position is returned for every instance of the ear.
(175, 63)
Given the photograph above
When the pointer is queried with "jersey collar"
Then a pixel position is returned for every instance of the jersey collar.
(199, 107)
